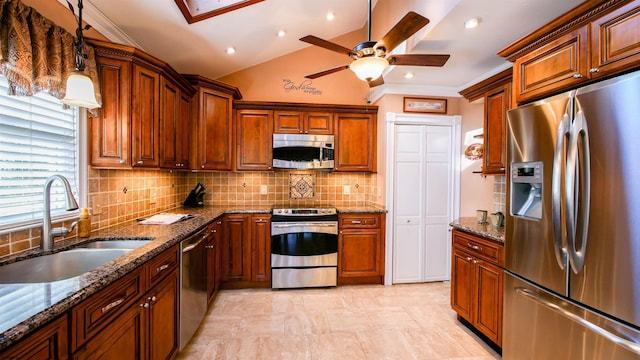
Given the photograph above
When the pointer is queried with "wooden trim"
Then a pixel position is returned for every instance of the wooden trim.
(283, 106)
(197, 80)
(570, 20)
(195, 18)
(477, 91)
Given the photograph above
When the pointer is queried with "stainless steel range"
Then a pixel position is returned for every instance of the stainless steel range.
(304, 248)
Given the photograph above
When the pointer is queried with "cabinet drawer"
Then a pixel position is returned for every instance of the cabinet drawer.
(485, 249)
(93, 314)
(359, 221)
(162, 265)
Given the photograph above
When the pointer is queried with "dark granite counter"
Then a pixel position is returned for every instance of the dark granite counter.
(26, 307)
(470, 225)
(361, 209)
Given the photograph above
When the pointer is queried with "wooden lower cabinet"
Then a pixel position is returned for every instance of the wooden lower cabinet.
(246, 255)
(50, 342)
(145, 327)
(214, 258)
(361, 249)
(261, 247)
(477, 284)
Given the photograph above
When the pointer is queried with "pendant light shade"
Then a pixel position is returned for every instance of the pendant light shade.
(369, 68)
(80, 91)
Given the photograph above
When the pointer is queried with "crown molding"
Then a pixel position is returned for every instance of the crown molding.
(99, 21)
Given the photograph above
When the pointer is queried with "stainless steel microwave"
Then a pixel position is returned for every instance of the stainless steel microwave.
(302, 151)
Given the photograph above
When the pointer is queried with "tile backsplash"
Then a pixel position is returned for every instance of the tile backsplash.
(499, 194)
(118, 196)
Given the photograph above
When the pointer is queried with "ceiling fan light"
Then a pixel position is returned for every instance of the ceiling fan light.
(80, 91)
(369, 68)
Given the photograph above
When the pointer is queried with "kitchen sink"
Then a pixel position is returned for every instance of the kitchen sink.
(114, 244)
(58, 266)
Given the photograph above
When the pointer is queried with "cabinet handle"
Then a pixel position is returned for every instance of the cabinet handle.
(577, 76)
(474, 247)
(341, 232)
(145, 305)
(219, 223)
(358, 222)
(469, 258)
(210, 246)
(151, 298)
(475, 261)
(594, 70)
(122, 161)
(112, 305)
(214, 231)
(139, 162)
(163, 267)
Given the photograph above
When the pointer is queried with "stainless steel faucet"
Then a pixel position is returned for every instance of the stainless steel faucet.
(47, 232)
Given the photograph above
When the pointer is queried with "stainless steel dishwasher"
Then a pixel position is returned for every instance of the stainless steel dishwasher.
(193, 284)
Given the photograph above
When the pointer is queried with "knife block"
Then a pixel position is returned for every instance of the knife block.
(194, 200)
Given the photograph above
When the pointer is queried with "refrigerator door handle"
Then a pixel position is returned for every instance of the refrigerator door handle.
(624, 343)
(559, 237)
(578, 186)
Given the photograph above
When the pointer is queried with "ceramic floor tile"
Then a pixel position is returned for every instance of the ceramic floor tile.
(411, 321)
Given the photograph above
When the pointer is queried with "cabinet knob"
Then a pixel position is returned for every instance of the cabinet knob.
(300, 131)
(151, 298)
(594, 70)
(219, 223)
(577, 76)
(145, 305)
(469, 259)
(202, 166)
(139, 162)
(214, 231)
(122, 161)
(475, 261)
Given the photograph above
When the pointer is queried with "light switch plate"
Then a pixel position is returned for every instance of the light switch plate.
(346, 189)
(263, 189)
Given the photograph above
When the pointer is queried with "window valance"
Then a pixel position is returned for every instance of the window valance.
(36, 55)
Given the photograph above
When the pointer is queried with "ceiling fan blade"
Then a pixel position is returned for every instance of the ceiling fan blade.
(407, 26)
(314, 40)
(418, 59)
(377, 82)
(327, 72)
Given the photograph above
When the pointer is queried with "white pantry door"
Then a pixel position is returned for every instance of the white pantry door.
(423, 193)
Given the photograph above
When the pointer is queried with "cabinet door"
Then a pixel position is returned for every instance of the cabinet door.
(170, 127)
(496, 105)
(254, 139)
(359, 253)
(462, 278)
(125, 338)
(318, 123)
(615, 43)
(261, 247)
(214, 145)
(109, 139)
(237, 249)
(183, 132)
(145, 118)
(557, 65)
(355, 142)
(163, 318)
(220, 245)
(49, 342)
(212, 261)
(488, 317)
(288, 122)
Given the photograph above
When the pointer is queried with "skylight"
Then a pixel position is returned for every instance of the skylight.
(198, 10)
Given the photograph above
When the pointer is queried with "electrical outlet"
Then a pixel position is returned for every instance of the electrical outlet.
(263, 190)
(96, 209)
(153, 198)
(346, 189)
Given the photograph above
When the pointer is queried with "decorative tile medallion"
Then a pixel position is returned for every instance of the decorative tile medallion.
(301, 185)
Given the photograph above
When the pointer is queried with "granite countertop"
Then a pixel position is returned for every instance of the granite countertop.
(26, 307)
(470, 225)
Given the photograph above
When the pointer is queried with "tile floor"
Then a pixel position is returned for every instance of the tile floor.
(411, 321)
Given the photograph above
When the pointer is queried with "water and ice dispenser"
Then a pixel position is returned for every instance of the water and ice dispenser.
(526, 189)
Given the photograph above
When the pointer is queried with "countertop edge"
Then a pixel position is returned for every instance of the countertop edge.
(470, 225)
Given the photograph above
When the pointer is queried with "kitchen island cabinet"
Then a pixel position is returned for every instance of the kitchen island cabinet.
(477, 283)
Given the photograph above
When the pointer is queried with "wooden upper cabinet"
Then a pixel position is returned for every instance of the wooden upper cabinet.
(109, 138)
(616, 41)
(355, 142)
(559, 64)
(592, 41)
(254, 139)
(174, 126)
(300, 122)
(145, 119)
(496, 104)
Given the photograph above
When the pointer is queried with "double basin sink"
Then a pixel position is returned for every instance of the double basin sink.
(68, 263)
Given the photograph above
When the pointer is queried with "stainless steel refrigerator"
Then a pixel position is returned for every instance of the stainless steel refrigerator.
(572, 235)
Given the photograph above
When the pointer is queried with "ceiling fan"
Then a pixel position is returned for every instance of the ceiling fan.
(369, 57)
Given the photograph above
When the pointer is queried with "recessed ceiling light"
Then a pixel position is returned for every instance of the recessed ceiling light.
(330, 16)
(231, 50)
(408, 75)
(282, 33)
(471, 23)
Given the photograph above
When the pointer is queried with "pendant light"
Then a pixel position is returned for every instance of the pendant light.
(80, 91)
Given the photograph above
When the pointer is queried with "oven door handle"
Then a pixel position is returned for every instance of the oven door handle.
(289, 225)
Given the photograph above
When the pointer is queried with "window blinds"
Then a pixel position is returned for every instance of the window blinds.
(38, 138)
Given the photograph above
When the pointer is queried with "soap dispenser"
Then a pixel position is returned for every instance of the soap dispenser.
(84, 223)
